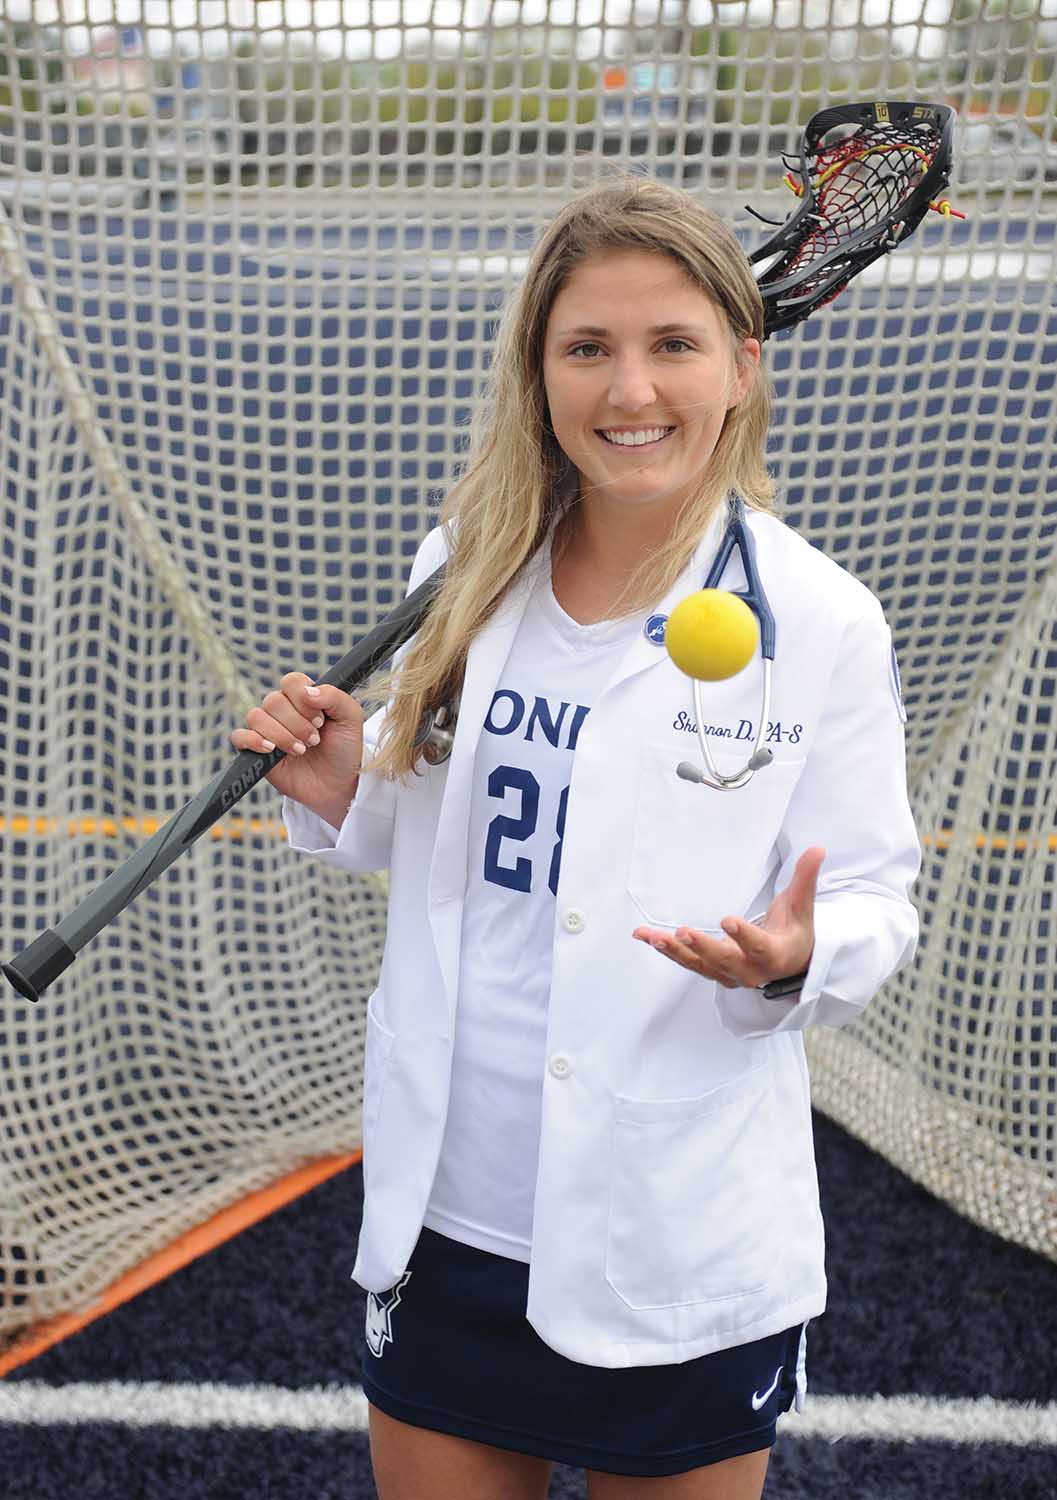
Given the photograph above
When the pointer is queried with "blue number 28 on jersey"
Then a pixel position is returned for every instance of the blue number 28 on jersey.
(518, 827)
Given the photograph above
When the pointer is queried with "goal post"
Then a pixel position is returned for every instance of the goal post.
(251, 260)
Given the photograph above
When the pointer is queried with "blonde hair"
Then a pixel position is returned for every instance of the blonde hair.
(517, 481)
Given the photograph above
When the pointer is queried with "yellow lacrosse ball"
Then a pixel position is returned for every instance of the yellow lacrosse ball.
(711, 635)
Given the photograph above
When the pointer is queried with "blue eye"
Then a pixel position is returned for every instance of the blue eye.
(579, 348)
(682, 342)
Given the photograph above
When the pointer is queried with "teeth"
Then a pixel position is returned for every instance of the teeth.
(636, 439)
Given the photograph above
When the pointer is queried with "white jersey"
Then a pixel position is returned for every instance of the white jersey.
(486, 1178)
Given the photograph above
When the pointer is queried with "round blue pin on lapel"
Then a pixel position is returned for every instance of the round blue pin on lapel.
(653, 629)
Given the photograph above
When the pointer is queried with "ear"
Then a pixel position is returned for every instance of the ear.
(747, 362)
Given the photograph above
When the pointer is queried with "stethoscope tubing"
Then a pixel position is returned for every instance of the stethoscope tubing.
(737, 535)
(760, 755)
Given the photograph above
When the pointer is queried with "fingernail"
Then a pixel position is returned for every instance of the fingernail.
(319, 721)
(313, 738)
(268, 744)
(299, 749)
(313, 692)
(661, 947)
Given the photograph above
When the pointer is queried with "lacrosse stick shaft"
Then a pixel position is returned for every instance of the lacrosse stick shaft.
(54, 950)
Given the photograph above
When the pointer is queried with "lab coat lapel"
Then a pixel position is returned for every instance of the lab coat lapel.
(447, 876)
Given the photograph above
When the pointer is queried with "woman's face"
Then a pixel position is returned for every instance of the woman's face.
(639, 372)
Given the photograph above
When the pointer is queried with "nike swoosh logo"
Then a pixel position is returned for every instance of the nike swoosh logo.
(758, 1400)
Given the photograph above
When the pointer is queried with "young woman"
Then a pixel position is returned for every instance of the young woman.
(591, 1229)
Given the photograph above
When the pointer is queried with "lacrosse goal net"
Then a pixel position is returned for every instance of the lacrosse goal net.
(250, 260)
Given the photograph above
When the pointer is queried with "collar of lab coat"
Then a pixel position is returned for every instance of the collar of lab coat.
(485, 661)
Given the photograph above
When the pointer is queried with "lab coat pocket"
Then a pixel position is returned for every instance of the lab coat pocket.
(697, 854)
(378, 1049)
(686, 1179)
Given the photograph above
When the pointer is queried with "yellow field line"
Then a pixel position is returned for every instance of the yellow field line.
(238, 828)
(996, 845)
(230, 828)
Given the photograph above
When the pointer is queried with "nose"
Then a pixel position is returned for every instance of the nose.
(632, 385)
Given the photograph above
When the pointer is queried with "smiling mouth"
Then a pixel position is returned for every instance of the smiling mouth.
(635, 442)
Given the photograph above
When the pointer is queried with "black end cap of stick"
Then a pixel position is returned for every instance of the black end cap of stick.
(36, 966)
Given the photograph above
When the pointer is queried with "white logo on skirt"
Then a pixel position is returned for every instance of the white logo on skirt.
(380, 1308)
(758, 1400)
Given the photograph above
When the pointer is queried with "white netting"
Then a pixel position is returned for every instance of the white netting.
(266, 242)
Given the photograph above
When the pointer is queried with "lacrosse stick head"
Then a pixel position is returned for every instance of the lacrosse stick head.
(866, 177)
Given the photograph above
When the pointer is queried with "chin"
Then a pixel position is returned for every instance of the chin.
(630, 493)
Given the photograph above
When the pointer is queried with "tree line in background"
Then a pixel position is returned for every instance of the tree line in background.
(508, 90)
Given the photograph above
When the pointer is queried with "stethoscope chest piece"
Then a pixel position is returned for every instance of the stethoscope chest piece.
(436, 734)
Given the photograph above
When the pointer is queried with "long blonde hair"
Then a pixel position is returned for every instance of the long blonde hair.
(517, 481)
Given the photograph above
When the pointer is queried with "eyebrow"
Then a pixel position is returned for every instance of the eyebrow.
(657, 329)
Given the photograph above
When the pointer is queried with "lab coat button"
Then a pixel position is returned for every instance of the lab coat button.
(560, 1066)
(574, 920)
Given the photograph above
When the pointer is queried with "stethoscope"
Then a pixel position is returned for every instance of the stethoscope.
(436, 730)
(737, 535)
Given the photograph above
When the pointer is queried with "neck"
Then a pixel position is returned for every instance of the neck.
(611, 540)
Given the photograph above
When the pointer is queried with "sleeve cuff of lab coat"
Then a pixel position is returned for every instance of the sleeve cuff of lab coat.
(363, 842)
(849, 963)
(748, 1013)
(306, 831)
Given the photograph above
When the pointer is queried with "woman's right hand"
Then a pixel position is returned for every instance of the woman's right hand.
(321, 730)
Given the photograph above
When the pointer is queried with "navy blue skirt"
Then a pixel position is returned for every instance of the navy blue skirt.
(449, 1348)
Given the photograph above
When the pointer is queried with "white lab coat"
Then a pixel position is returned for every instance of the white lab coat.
(676, 1209)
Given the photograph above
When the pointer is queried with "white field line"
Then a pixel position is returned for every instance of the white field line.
(907, 1419)
(894, 1419)
(187, 1405)
(954, 267)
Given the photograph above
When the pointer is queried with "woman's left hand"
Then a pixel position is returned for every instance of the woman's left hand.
(753, 953)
